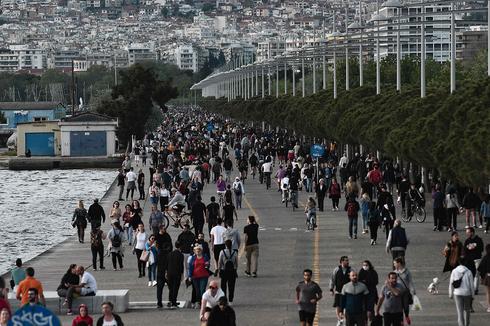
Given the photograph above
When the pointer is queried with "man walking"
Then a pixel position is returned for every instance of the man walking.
(121, 178)
(251, 232)
(354, 299)
(198, 213)
(391, 296)
(352, 209)
(175, 268)
(164, 246)
(186, 239)
(438, 207)
(212, 213)
(340, 277)
(96, 214)
(156, 219)
(472, 250)
(397, 240)
(308, 293)
(131, 177)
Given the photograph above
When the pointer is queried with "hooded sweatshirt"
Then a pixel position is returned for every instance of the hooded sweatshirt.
(466, 288)
(233, 235)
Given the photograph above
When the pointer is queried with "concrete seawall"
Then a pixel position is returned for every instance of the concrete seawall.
(49, 163)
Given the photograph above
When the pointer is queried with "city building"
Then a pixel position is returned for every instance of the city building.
(16, 112)
(42, 138)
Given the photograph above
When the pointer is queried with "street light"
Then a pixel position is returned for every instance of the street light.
(396, 4)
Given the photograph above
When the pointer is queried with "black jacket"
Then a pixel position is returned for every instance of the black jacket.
(474, 253)
(218, 317)
(175, 263)
(186, 240)
(96, 213)
(118, 319)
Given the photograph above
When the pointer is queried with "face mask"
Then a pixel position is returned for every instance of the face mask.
(365, 268)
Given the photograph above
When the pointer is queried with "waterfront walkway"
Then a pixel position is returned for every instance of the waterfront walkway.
(285, 250)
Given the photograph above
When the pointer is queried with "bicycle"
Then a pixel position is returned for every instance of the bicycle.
(293, 198)
(178, 219)
(221, 198)
(286, 196)
(416, 210)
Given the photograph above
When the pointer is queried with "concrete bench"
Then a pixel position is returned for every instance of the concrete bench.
(119, 298)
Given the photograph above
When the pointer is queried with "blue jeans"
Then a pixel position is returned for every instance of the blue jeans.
(352, 225)
(364, 220)
(152, 272)
(200, 287)
(309, 185)
(129, 234)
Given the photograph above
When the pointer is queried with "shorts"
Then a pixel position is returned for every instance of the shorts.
(306, 316)
(337, 301)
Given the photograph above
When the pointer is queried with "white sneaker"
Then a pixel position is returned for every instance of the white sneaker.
(340, 322)
(149, 283)
(154, 283)
(480, 227)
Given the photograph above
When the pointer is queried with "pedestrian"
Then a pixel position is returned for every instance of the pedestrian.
(352, 209)
(365, 201)
(198, 271)
(79, 220)
(164, 197)
(233, 235)
(354, 300)
(97, 247)
(155, 220)
(217, 241)
(198, 213)
(369, 276)
(121, 179)
(164, 246)
(83, 318)
(438, 207)
(239, 191)
(109, 318)
(340, 277)
(391, 299)
(140, 239)
(4, 315)
(473, 250)
(126, 220)
(116, 236)
(67, 285)
(406, 281)
(471, 204)
(397, 241)
(374, 222)
(321, 191)
(131, 178)
(175, 268)
(212, 213)
(115, 214)
(388, 220)
(136, 217)
(30, 283)
(18, 274)
(351, 188)
(227, 266)
(334, 193)
(151, 260)
(210, 300)
(452, 251)
(452, 209)
(96, 214)
(154, 193)
(229, 211)
(308, 293)
(462, 289)
(485, 212)
(484, 271)
(141, 184)
(222, 314)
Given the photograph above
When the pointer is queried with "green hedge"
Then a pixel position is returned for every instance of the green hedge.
(443, 131)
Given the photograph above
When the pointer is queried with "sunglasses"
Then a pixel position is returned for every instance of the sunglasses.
(213, 287)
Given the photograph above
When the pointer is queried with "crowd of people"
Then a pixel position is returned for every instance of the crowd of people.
(192, 152)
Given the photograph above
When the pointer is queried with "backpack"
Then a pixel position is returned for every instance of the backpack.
(96, 239)
(375, 177)
(229, 266)
(351, 209)
(238, 189)
(116, 240)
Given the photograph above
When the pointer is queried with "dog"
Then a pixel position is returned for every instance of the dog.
(432, 288)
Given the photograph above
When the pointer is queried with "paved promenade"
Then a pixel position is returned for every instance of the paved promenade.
(285, 250)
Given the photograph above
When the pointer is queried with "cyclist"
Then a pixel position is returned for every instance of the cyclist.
(310, 210)
(221, 189)
(403, 191)
(280, 173)
(176, 204)
(293, 188)
(284, 186)
(415, 198)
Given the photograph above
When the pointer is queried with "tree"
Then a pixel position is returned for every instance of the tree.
(133, 100)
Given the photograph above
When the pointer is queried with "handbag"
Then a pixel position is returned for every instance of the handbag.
(408, 295)
(145, 255)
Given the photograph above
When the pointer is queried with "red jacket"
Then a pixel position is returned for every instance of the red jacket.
(79, 319)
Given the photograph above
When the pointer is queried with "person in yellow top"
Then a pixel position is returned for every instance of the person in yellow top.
(30, 283)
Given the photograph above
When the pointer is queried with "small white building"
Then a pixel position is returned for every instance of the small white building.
(88, 134)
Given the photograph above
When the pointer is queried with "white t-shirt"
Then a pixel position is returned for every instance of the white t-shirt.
(284, 183)
(267, 167)
(89, 282)
(218, 234)
(131, 176)
(210, 300)
(113, 322)
(141, 241)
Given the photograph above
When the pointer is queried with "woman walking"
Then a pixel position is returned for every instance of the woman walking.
(198, 271)
(334, 194)
(80, 220)
(116, 236)
(369, 277)
(365, 201)
(462, 289)
(452, 251)
(140, 240)
(151, 260)
(484, 271)
(141, 184)
(115, 212)
(127, 218)
(154, 193)
(374, 221)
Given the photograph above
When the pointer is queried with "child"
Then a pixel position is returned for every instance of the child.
(310, 210)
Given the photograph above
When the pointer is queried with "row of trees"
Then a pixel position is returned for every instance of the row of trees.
(446, 132)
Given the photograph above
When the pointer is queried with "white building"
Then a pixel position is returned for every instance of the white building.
(30, 58)
(187, 57)
(138, 52)
(9, 61)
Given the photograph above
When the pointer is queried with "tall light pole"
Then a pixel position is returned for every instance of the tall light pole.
(313, 66)
(334, 33)
(285, 77)
(347, 47)
(269, 80)
(303, 75)
(294, 80)
(453, 49)
(256, 81)
(398, 53)
(361, 75)
(324, 65)
(263, 82)
(488, 38)
(277, 80)
(378, 64)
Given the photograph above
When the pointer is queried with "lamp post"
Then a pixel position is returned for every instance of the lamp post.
(294, 80)
(347, 47)
(303, 75)
(357, 26)
(334, 34)
(263, 83)
(269, 80)
(277, 80)
(324, 65)
(453, 50)
(314, 74)
(396, 4)
(422, 53)
(256, 82)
